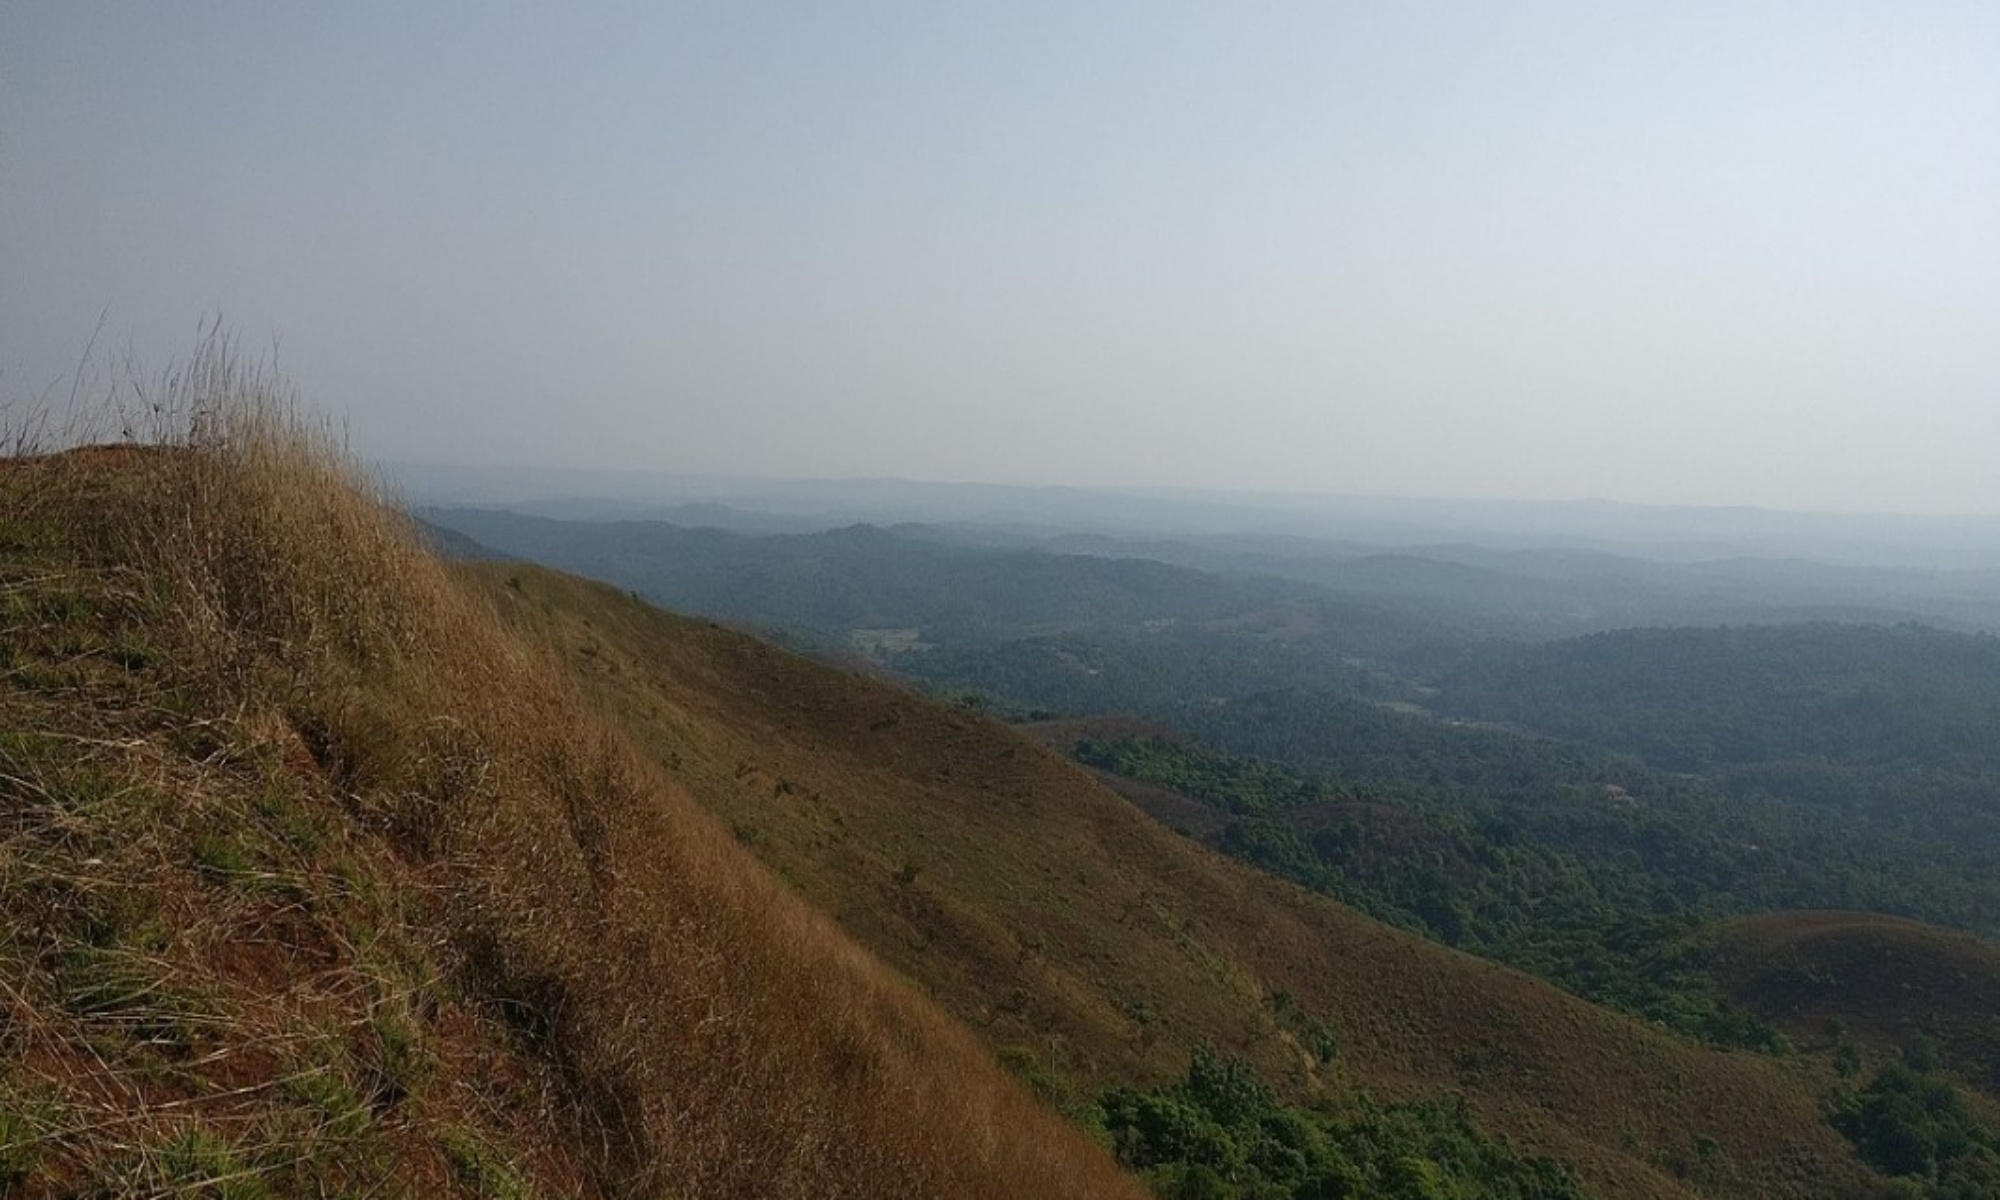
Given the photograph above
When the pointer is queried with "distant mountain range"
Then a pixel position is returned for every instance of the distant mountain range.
(797, 506)
(915, 573)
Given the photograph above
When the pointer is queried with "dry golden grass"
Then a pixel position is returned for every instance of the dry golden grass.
(1880, 982)
(695, 1027)
(1096, 947)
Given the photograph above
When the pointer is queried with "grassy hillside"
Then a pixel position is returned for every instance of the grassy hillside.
(315, 881)
(1094, 947)
(1880, 982)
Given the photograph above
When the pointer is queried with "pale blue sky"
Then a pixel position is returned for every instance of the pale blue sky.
(1704, 253)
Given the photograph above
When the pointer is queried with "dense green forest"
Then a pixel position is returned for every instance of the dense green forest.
(1753, 850)
(1600, 887)
(1872, 784)
(1890, 727)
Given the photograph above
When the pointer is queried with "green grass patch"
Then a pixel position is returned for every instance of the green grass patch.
(60, 606)
(222, 856)
(1027, 1066)
(338, 1110)
(278, 809)
(85, 788)
(481, 1169)
(201, 1162)
(104, 952)
(24, 1130)
(125, 990)
(24, 751)
(33, 541)
(50, 773)
(393, 1058)
(131, 652)
(237, 857)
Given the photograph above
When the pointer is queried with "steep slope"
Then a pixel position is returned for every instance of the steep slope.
(314, 880)
(213, 979)
(1095, 947)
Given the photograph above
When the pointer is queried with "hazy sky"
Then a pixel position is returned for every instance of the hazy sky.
(1710, 253)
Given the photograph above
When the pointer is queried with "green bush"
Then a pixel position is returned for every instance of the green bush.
(1220, 1133)
(1913, 1124)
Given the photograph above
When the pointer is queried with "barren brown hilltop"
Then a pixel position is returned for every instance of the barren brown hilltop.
(315, 881)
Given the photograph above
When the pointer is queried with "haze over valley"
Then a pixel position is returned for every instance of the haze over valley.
(1270, 603)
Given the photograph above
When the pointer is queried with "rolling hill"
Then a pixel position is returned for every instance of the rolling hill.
(1881, 981)
(1092, 946)
(327, 868)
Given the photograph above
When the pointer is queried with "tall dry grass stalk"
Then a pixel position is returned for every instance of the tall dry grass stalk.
(707, 1033)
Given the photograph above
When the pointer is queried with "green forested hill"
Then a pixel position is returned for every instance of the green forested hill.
(1592, 872)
